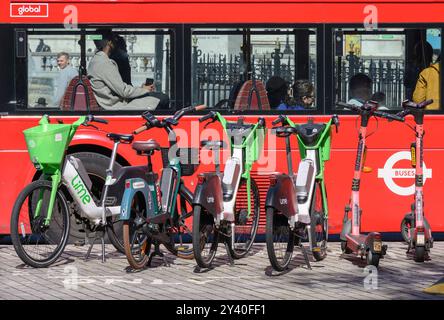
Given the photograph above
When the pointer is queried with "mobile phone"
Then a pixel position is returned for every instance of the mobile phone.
(149, 81)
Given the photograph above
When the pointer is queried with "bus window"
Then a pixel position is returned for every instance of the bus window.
(55, 55)
(387, 65)
(53, 60)
(223, 59)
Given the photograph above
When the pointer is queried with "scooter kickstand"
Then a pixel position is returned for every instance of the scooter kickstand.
(304, 252)
(230, 258)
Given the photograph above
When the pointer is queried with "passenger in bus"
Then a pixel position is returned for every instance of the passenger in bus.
(120, 56)
(111, 92)
(380, 98)
(66, 74)
(277, 91)
(301, 96)
(360, 89)
(428, 87)
(422, 58)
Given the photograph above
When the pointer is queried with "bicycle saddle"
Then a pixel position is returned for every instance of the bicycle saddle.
(143, 147)
(124, 138)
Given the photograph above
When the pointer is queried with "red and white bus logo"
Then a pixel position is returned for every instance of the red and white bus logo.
(29, 10)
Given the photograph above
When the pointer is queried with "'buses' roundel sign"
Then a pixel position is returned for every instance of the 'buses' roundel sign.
(389, 174)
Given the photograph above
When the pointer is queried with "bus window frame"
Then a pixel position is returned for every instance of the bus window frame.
(319, 93)
(21, 91)
(329, 51)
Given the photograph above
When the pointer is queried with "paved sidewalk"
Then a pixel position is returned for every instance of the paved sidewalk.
(337, 277)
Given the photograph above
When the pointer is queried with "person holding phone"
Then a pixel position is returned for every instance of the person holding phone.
(111, 92)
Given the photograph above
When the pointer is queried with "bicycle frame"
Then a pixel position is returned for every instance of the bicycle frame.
(282, 194)
(73, 175)
(318, 154)
(250, 146)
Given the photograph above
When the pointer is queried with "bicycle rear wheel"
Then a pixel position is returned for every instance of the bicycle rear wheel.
(245, 227)
(136, 242)
(280, 240)
(37, 243)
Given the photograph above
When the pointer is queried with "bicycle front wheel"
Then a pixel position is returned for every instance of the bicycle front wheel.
(38, 242)
(245, 225)
(205, 237)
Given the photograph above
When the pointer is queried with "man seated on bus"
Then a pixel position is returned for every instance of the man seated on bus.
(360, 89)
(66, 74)
(107, 84)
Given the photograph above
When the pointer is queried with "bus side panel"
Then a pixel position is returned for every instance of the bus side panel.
(383, 206)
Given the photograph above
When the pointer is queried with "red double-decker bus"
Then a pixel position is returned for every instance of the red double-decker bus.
(197, 52)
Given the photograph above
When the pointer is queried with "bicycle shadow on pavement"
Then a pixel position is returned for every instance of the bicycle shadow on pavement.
(62, 261)
(297, 262)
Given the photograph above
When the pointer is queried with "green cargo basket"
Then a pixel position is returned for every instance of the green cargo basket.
(47, 143)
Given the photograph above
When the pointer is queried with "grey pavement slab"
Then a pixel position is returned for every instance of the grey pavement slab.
(339, 277)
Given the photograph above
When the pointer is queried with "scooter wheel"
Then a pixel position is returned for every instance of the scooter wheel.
(373, 258)
(419, 254)
(406, 226)
(344, 247)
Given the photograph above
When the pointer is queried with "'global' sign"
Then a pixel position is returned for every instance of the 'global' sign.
(29, 10)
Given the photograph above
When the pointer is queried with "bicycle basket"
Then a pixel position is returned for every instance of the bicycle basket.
(47, 143)
(188, 157)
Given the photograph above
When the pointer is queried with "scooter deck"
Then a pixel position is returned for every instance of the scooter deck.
(357, 239)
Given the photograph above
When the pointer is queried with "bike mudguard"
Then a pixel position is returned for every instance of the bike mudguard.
(346, 229)
(116, 190)
(148, 193)
(282, 196)
(208, 194)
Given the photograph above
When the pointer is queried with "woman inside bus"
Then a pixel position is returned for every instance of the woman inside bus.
(301, 96)
(111, 92)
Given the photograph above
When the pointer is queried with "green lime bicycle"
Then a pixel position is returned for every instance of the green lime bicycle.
(217, 213)
(40, 219)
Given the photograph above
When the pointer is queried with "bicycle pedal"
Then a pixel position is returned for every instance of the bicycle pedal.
(182, 248)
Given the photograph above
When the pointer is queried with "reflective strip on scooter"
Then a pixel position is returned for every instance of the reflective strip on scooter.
(377, 246)
(420, 239)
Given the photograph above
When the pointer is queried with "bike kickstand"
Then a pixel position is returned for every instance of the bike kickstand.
(159, 253)
(304, 252)
(230, 258)
(89, 250)
(103, 250)
(91, 245)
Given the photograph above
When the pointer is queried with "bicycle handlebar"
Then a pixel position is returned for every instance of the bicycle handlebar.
(407, 104)
(140, 129)
(261, 122)
(370, 107)
(210, 115)
(280, 119)
(152, 121)
(388, 116)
